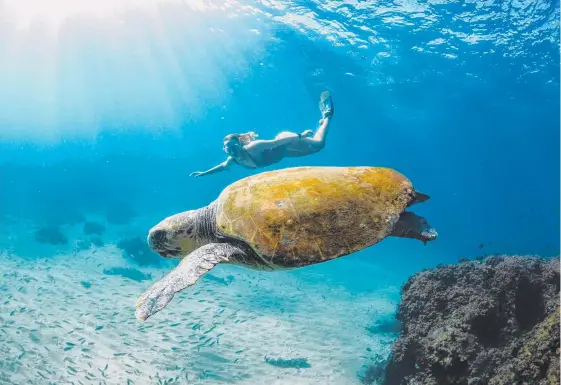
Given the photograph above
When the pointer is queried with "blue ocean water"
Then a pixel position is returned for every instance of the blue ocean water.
(106, 108)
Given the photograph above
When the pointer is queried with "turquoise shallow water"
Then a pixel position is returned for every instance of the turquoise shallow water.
(106, 108)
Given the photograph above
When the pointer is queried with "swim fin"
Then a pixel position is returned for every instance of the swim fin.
(326, 105)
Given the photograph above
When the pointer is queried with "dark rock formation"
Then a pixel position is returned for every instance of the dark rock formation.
(97, 241)
(51, 236)
(85, 244)
(137, 250)
(294, 363)
(222, 281)
(134, 274)
(93, 228)
(491, 322)
(373, 372)
(385, 325)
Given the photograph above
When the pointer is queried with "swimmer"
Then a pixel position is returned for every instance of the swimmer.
(246, 151)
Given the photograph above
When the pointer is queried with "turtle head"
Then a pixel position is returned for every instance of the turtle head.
(176, 236)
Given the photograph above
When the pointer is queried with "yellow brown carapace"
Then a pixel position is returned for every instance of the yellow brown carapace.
(299, 216)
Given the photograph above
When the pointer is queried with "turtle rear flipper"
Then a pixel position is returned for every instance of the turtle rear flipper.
(186, 274)
(413, 226)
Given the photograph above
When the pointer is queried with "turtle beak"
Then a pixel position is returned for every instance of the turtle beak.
(157, 240)
(174, 236)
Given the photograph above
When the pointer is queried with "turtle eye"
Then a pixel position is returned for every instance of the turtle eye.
(188, 231)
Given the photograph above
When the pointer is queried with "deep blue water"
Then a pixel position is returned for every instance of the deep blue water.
(461, 97)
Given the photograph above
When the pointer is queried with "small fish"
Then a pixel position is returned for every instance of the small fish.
(209, 330)
(34, 338)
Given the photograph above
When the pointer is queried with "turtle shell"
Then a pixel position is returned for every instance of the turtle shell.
(304, 215)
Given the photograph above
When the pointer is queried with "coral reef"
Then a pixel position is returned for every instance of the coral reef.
(137, 249)
(490, 322)
(51, 236)
(93, 228)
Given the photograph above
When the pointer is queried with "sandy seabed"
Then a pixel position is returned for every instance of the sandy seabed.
(63, 321)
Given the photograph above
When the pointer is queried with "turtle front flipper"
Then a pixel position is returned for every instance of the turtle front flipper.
(413, 226)
(186, 274)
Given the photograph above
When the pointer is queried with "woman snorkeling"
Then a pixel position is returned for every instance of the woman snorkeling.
(246, 151)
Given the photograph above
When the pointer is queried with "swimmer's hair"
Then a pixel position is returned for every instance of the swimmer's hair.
(243, 139)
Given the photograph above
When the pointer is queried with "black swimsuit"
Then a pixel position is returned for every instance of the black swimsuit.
(269, 157)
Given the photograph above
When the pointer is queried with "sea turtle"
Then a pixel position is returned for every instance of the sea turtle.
(286, 218)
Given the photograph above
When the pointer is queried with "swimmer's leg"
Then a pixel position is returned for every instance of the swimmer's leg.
(318, 140)
(327, 109)
(309, 145)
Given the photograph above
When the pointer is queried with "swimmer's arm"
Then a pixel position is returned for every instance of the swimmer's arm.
(263, 145)
(221, 167)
